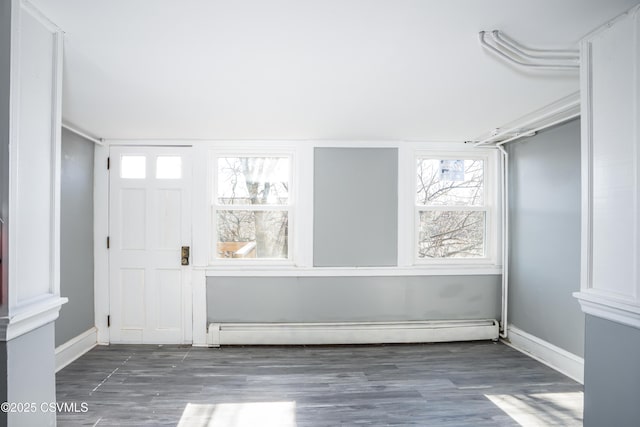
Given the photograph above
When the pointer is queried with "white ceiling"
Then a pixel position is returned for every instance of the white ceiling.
(309, 69)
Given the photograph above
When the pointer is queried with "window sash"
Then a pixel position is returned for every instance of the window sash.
(216, 207)
(219, 207)
(251, 154)
(451, 208)
(486, 207)
(464, 157)
(486, 237)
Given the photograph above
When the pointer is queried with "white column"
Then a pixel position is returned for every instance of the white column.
(30, 116)
(610, 285)
(31, 231)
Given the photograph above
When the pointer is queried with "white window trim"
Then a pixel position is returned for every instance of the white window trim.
(301, 238)
(412, 209)
(301, 213)
(251, 149)
(292, 271)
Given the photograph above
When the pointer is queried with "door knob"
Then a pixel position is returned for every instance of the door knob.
(184, 255)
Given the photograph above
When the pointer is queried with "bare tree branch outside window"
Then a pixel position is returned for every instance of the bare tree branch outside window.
(450, 207)
(252, 214)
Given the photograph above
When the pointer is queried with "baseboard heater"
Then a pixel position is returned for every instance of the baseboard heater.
(350, 333)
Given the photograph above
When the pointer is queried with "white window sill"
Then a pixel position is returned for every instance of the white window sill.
(288, 271)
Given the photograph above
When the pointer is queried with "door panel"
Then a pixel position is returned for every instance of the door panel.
(132, 215)
(149, 221)
(132, 299)
(169, 298)
(169, 215)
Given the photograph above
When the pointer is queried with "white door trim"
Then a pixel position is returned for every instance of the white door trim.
(101, 232)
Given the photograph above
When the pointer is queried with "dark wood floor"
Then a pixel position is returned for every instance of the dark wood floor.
(454, 384)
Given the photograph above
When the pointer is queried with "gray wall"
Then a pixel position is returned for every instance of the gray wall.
(611, 374)
(343, 299)
(4, 377)
(30, 363)
(76, 237)
(355, 208)
(545, 236)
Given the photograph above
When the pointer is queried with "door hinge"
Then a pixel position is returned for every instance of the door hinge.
(108, 321)
(108, 242)
(108, 163)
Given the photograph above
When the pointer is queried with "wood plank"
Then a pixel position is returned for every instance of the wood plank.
(446, 384)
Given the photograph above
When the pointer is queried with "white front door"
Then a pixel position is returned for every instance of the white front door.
(149, 223)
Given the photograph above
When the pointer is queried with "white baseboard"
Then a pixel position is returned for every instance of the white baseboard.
(561, 360)
(350, 333)
(75, 347)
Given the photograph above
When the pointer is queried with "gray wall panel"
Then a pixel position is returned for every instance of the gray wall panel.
(545, 236)
(344, 299)
(31, 375)
(76, 237)
(611, 374)
(355, 207)
(4, 369)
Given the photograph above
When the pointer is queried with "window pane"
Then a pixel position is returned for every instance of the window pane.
(133, 167)
(252, 234)
(169, 167)
(451, 234)
(253, 181)
(450, 182)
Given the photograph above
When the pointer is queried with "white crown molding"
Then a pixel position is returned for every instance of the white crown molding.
(29, 317)
(608, 308)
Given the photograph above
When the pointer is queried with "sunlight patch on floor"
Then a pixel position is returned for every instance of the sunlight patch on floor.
(541, 409)
(264, 414)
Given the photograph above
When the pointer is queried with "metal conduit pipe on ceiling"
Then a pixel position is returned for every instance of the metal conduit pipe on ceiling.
(93, 139)
(510, 53)
(548, 54)
(564, 109)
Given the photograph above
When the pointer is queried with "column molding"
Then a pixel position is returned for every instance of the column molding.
(610, 276)
(32, 316)
(31, 250)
